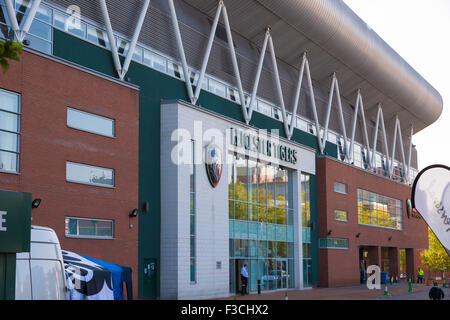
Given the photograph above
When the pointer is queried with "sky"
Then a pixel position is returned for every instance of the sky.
(419, 30)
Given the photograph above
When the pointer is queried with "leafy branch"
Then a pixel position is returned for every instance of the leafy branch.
(9, 50)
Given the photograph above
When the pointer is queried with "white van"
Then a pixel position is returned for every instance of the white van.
(40, 273)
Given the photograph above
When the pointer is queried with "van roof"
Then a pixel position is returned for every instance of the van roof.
(43, 234)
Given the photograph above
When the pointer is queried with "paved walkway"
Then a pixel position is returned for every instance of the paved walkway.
(397, 292)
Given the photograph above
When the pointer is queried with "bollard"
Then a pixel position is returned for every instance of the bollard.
(410, 286)
(386, 291)
(286, 296)
(259, 286)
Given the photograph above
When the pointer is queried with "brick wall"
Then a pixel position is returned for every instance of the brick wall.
(341, 267)
(47, 88)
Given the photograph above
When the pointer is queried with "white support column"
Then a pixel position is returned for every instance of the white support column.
(375, 135)
(334, 89)
(410, 154)
(342, 120)
(235, 64)
(137, 32)
(278, 87)
(12, 17)
(111, 38)
(394, 142)
(313, 100)
(208, 52)
(360, 107)
(402, 150)
(181, 50)
(297, 94)
(355, 119)
(251, 105)
(327, 119)
(21, 33)
(386, 148)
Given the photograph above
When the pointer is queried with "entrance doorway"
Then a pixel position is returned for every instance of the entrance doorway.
(235, 275)
(282, 274)
(363, 264)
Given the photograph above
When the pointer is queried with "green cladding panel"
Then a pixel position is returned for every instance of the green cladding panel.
(154, 87)
(15, 222)
(15, 234)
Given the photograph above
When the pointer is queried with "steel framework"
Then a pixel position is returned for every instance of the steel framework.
(248, 105)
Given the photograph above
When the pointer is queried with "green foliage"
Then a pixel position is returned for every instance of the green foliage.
(9, 50)
(436, 258)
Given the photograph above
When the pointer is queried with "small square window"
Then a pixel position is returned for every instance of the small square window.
(340, 215)
(89, 228)
(340, 188)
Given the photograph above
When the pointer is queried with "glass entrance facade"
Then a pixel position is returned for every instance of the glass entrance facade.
(261, 224)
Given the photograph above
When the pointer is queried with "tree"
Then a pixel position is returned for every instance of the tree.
(9, 50)
(436, 258)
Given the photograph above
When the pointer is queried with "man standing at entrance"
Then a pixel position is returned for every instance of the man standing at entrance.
(420, 275)
(244, 279)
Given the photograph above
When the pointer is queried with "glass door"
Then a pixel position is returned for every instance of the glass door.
(282, 274)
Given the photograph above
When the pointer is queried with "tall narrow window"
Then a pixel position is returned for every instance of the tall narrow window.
(9, 131)
(192, 217)
(306, 224)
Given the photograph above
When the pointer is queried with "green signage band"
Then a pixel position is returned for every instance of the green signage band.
(15, 222)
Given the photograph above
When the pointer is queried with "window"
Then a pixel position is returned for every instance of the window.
(340, 188)
(261, 223)
(378, 210)
(192, 217)
(89, 228)
(85, 174)
(90, 122)
(331, 243)
(265, 108)
(340, 215)
(98, 37)
(306, 229)
(175, 70)
(217, 88)
(9, 131)
(69, 24)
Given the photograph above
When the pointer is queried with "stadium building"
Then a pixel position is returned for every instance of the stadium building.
(306, 115)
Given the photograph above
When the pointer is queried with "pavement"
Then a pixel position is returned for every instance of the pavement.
(396, 292)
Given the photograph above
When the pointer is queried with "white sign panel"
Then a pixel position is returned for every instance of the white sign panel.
(431, 198)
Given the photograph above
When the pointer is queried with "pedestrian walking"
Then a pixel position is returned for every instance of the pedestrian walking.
(244, 279)
(436, 293)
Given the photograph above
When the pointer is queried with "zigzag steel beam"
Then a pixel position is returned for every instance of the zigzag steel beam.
(12, 17)
(397, 121)
(334, 89)
(208, 52)
(180, 46)
(258, 74)
(21, 33)
(410, 153)
(360, 105)
(112, 39)
(136, 34)
(297, 94)
(29, 20)
(341, 115)
(279, 90)
(235, 63)
(312, 99)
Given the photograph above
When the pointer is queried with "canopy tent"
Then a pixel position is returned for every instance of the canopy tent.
(93, 279)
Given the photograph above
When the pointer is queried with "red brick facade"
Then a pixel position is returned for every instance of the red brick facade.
(341, 267)
(47, 88)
